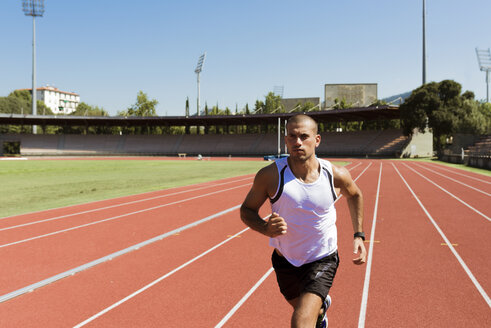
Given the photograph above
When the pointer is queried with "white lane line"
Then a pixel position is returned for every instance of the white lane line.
(86, 266)
(366, 284)
(449, 244)
(243, 299)
(443, 189)
(458, 173)
(359, 163)
(109, 308)
(118, 205)
(119, 216)
(458, 181)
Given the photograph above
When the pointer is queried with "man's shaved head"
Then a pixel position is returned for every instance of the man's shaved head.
(302, 118)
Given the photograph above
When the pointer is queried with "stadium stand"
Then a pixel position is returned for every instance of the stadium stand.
(38, 145)
(359, 143)
(362, 143)
(481, 147)
(479, 154)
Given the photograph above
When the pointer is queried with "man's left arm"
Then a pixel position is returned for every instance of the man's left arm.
(348, 188)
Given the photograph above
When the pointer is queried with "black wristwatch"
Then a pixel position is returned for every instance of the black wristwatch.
(360, 234)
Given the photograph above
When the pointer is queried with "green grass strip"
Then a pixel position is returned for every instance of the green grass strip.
(35, 185)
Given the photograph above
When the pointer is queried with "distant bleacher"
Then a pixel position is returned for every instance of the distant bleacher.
(358, 143)
(481, 147)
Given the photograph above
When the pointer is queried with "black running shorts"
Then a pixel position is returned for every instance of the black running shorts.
(315, 277)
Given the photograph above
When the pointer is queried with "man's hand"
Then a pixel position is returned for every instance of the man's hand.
(276, 226)
(358, 246)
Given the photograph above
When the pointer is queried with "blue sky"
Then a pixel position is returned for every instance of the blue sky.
(108, 50)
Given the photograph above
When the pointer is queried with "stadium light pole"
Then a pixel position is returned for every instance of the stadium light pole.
(198, 69)
(33, 8)
(484, 60)
(424, 42)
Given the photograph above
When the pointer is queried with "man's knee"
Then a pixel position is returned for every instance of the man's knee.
(306, 310)
(303, 317)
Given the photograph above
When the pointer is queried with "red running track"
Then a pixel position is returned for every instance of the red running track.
(217, 273)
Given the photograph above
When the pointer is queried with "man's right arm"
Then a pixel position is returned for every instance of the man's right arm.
(249, 211)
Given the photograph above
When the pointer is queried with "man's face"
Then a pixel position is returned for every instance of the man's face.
(301, 140)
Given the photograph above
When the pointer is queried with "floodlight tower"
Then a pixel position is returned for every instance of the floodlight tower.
(198, 69)
(484, 60)
(33, 8)
(424, 42)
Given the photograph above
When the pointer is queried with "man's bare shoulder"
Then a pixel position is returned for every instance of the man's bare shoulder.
(341, 174)
(267, 178)
(267, 172)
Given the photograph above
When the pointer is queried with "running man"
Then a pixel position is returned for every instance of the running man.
(302, 227)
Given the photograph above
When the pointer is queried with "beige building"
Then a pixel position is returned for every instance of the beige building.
(356, 94)
(60, 102)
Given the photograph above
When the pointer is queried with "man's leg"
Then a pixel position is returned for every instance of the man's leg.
(307, 308)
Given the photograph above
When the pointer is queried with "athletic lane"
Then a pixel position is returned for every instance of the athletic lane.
(39, 259)
(88, 292)
(475, 196)
(458, 173)
(465, 228)
(415, 281)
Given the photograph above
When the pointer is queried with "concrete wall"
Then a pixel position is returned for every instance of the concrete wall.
(419, 145)
(291, 103)
(359, 95)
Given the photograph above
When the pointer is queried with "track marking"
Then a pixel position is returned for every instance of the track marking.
(464, 184)
(445, 244)
(109, 257)
(457, 198)
(359, 163)
(243, 299)
(116, 205)
(117, 217)
(449, 244)
(366, 284)
(109, 308)
(458, 173)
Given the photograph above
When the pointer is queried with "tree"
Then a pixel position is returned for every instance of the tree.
(143, 106)
(343, 104)
(187, 106)
(273, 104)
(84, 109)
(441, 107)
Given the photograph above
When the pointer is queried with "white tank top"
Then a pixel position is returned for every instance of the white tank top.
(308, 209)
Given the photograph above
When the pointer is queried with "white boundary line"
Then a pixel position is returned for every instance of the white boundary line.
(443, 189)
(449, 244)
(109, 308)
(359, 163)
(116, 205)
(243, 299)
(86, 266)
(455, 172)
(249, 176)
(366, 284)
(457, 181)
(117, 217)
